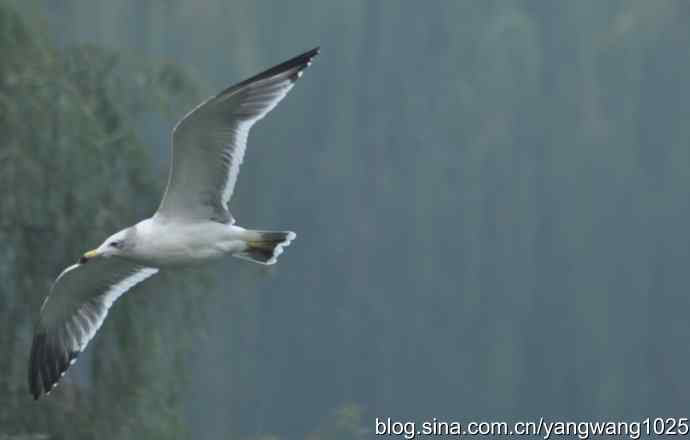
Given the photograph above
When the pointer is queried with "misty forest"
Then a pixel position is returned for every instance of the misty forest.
(492, 201)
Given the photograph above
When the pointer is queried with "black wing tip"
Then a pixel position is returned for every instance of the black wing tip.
(312, 53)
(298, 64)
(47, 365)
(305, 59)
(35, 385)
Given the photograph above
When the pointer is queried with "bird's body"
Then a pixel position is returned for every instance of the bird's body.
(163, 244)
(192, 224)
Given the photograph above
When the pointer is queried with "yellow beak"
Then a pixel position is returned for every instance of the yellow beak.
(90, 254)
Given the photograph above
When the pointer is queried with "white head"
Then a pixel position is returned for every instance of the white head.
(117, 244)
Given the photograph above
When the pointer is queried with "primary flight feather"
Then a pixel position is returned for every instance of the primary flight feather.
(192, 223)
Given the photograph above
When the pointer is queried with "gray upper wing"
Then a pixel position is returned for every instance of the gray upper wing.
(208, 144)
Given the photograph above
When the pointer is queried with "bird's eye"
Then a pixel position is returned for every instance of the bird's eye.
(115, 244)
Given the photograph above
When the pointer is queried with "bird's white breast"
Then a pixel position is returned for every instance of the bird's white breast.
(162, 243)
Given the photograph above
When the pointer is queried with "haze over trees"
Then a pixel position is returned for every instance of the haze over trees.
(491, 201)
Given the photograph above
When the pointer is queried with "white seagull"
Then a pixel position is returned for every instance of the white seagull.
(192, 223)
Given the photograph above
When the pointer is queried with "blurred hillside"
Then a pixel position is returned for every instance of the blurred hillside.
(70, 167)
(491, 201)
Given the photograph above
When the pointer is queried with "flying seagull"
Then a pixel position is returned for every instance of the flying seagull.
(192, 223)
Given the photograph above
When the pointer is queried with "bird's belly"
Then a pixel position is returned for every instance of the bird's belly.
(192, 245)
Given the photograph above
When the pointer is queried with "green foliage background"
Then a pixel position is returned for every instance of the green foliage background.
(71, 166)
(491, 200)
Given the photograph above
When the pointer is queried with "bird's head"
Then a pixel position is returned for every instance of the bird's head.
(116, 244)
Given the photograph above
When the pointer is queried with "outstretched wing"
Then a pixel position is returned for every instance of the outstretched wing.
(72, 314)
(208, 144)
